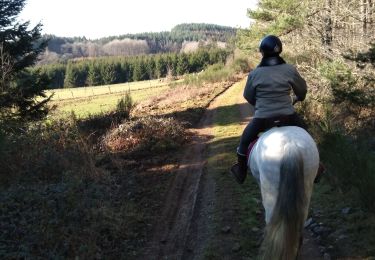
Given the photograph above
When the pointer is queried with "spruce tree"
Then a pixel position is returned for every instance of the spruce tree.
(19, 50)
(94, 76)
(182, 64)
(108, 72)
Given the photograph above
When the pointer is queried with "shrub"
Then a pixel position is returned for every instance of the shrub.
(214, 73)
(350, 164)
(145, 135)
(125, 106)
(240, 65)
(346, 87)
(45, 152)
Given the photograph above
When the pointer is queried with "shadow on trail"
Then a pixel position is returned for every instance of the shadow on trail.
(194, 115)
(182, 224)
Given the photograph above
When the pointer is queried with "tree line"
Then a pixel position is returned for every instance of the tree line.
(180, 33)
(65, 48)
(111, 70)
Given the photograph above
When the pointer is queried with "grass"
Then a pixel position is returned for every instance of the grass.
(85, 92)
(83, 107)
(237, 206)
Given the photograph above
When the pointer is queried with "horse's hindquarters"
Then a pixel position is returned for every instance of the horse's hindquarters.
(285, 161)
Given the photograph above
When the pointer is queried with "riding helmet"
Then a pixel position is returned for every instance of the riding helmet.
(270, 46)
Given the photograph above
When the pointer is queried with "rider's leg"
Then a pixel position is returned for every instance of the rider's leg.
(250, 133)
(298, 121)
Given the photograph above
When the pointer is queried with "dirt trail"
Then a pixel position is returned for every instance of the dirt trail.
(182, 231)
(188, 202)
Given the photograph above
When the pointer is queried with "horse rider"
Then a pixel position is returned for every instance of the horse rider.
(268, 89)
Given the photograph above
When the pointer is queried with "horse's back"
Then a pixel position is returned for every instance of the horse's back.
(269, 149)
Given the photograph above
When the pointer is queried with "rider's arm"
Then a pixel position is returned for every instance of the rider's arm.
(249, 92)
(298, 85)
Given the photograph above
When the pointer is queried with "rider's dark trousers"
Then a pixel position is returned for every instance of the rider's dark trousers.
(258, 125)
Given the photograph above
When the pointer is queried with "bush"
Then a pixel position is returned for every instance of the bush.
(45, 152)
(240, 65)
(125, 106)
(346, 87)
(350, 164)
(145, 135)
(218, 72)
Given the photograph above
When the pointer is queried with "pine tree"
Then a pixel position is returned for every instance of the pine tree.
(93, 76)
(160, 67)
(108, 71)
(19, 50)
(182, 64)
(277, 17)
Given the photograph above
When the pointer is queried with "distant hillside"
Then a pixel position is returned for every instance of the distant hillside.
(183, 37)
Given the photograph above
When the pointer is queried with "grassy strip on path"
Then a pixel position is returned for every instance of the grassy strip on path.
(238, 217)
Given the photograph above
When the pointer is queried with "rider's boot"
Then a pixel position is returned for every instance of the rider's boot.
(239, 170)
(321, 170)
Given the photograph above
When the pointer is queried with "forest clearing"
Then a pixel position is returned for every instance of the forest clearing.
(123, 147)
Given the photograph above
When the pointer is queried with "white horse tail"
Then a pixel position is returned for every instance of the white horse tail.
(282, 237)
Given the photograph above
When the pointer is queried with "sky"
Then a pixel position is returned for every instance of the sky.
(95, 19)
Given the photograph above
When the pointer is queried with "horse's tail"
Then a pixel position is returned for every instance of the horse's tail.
(282, 237)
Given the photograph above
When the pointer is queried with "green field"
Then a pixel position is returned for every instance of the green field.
(84, 92)
(101, 99)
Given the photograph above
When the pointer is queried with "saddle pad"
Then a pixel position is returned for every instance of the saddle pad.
(250, 148)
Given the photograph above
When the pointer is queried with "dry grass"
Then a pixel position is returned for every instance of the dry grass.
(45, 152)
(145, 135)
(86, 92)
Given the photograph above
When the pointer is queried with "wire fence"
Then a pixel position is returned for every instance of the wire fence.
(85, 92)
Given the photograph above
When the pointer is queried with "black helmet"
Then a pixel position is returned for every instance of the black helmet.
(270, 46)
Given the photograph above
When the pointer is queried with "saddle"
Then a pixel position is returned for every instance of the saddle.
(278, 121)
(269, 123)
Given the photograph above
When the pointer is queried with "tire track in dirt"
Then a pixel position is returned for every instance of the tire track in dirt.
(189, 195)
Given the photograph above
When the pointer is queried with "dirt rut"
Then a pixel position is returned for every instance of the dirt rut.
(188, 202)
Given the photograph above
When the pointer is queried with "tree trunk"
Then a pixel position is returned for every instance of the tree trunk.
(364, 18)
(327, 39)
